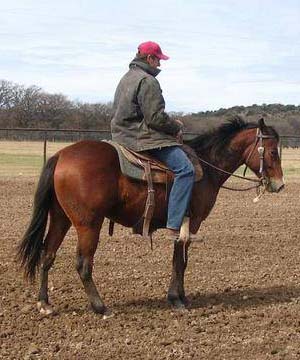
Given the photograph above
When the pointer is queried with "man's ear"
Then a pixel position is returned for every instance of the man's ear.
(261, 124)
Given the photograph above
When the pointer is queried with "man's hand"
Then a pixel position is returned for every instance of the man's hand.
(179, 136)
(179, 123)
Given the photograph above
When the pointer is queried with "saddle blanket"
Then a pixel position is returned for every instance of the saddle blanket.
(132, 164)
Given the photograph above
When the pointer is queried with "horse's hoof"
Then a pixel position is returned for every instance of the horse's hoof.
(108, 314)
(179, 305)
(185, 301)
(176, 304)
(103, 310)
(45, 309)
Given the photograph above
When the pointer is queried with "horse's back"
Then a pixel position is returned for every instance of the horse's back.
(89, 170)
(87, 151)
(87, 158)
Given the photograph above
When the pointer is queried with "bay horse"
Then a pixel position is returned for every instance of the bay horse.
(82, 184)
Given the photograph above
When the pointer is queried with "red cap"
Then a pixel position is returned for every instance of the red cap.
(152, 48)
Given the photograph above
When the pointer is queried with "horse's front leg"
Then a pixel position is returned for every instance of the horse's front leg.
(176, 294)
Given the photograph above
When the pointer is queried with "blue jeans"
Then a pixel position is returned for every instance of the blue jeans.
(176, 160)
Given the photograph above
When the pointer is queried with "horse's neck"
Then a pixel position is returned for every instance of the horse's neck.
(237, 149)
(206, 191)
(229, 167)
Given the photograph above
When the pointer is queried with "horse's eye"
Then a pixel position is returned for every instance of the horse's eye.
(274, 154)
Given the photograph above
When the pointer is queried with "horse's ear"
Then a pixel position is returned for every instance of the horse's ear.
(261, 123)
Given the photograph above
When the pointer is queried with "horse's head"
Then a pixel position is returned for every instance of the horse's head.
(263, 157)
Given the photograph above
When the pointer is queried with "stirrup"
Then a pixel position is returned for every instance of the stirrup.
(184, 233)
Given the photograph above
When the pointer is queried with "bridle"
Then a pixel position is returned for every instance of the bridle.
(263, 180)
(261, 151)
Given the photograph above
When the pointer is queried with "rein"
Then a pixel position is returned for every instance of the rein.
(228, 172)
(262, 181)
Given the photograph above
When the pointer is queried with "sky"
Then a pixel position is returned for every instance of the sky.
(223, 53)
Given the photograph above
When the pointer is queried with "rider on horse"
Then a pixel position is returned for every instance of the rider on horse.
(140, 123)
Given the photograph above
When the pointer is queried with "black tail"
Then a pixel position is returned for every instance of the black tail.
(30, 248)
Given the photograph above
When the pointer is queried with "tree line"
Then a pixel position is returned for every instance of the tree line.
(31, 107)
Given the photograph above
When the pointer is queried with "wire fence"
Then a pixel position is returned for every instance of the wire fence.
(72, 135)
(24, 151)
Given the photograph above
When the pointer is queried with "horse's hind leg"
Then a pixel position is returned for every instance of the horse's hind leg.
(88, 238)
(58, 227)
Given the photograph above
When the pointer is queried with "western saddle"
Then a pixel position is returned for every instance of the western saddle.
(142, 167)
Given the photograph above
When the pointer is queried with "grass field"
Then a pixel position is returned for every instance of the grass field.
(26, 158)
(291, 162)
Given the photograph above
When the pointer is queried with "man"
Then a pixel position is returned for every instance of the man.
(141, 123)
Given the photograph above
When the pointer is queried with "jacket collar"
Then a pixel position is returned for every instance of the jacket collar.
(145, 66)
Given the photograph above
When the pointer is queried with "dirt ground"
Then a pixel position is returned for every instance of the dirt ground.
(242, 282)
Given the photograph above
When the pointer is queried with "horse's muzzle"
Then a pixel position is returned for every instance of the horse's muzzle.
(275, 185)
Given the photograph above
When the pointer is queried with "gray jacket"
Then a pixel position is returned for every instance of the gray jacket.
(140, 121)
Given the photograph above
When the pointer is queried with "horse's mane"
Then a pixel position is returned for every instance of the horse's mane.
(215, 142)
